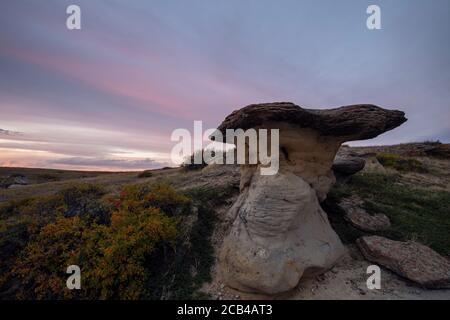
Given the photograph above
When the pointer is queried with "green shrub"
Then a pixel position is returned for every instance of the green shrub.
(195, 258)
(441, 151)
(84, 200)
(135, 198)
(400, 163)
(14, 236)
(189, 164)
(145, 174)
(415, 213)
(152, 245)
(126, 257)
(47, 177)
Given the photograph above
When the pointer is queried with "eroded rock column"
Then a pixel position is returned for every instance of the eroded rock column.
(278, 231)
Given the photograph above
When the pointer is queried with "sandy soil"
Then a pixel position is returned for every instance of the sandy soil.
(346, 280)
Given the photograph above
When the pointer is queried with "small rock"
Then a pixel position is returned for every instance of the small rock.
(372, 163)
(320, 278)
(358, 217)
(410, 259)
(348, 165)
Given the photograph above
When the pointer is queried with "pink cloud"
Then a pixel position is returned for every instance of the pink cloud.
(116, 80)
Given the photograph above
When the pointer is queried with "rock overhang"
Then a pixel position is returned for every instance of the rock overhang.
(280, 215)
(347, 123)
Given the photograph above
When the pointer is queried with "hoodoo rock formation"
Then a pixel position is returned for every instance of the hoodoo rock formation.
(279, 233)
(346, 166)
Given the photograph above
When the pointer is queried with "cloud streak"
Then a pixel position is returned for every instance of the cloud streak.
(126, 164)
(138, 70)
(9, 132)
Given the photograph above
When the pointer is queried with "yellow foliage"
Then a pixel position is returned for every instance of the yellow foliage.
(113, 257)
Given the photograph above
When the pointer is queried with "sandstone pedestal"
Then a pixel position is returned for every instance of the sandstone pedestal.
(279, 233)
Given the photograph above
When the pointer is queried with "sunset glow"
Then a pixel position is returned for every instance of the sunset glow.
(108, 96)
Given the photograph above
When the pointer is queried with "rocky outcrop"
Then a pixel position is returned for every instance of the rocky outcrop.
(346, 166)
(439, 151)
(279, 233)
(359, 218)
(13, 180)
(372, 164)
(348, 123)
(410, 260)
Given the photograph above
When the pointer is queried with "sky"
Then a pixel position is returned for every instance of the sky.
(108, 96)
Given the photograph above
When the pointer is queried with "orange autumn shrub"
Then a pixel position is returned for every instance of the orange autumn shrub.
(138, 197)
(116, 256)
(118, 253)
(41, 267)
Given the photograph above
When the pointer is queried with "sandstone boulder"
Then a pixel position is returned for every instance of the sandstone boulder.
(358, 217)
(372, 164)
(346, 166)
(279, 233)
(411, 260)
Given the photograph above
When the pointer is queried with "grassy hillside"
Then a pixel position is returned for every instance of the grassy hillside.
(135, 236)
(47, 175)
(149, 235)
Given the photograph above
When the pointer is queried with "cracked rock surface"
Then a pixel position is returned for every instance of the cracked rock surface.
(360, 218)
(410, 259)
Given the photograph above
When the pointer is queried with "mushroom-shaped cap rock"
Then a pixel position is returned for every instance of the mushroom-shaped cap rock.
(354, 122)
(279, 232)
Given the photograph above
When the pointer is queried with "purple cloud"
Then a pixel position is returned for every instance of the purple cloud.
(9, 132)
(142, 69)
(128, 164)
